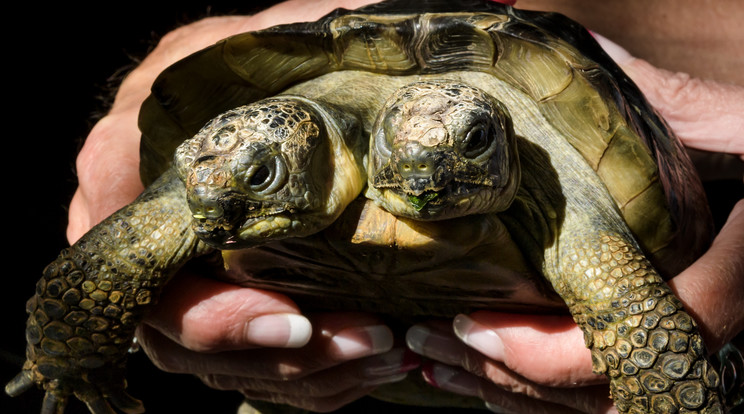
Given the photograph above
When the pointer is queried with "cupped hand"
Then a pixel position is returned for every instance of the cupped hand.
(256, 342)
(534, 364)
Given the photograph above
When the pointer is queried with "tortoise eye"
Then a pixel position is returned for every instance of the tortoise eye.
(266, 178)
(476, 142)
(383, 137)
(260, 176)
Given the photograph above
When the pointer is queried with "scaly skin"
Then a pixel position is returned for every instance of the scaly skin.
(89, 301)
(639, 334)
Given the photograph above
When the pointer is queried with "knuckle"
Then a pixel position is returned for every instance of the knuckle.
(202, 332)
(101, 132)
(681, 87)
(202, 338)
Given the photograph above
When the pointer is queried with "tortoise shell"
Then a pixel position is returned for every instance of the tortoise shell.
(555, 61)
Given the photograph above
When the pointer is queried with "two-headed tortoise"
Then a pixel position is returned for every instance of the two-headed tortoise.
(469, 123)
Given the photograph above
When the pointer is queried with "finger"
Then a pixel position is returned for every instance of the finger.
(206, 315)
(434, 343)
(712, 287)
(365, 373)
(336, 338)
(706, 115)
(505, 400)
(549, 350)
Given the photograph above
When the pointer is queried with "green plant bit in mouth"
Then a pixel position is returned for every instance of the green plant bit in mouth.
(419, 202)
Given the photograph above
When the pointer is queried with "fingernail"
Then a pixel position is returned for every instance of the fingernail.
(355, 343)
(476, 336)
(450, 379)
(434, 344)
(286, 330)
(390, 363)
(385, 380)
(616, 52)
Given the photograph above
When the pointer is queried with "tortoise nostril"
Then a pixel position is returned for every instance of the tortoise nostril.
(204, 204)
(416, 168)
(201, 211)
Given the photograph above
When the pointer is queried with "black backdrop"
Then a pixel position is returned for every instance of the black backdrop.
(57, 62)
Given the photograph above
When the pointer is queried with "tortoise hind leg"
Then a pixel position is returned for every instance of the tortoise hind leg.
(638, 331)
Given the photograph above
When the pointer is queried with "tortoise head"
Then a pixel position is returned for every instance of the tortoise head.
(442, 149)
(270, 170)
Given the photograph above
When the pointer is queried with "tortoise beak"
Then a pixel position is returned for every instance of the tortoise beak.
(216, 213)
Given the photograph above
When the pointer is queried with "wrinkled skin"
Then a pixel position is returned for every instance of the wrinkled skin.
(201, 334)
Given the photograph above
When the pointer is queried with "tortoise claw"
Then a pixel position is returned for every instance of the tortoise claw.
(54, 403)
(107, 397)
(99, 406)
(55, 399)
(20, 383)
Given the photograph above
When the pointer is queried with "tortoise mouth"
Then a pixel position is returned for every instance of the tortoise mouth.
(261, 212)
(263, 228)
(259, 223)
(453, 200)
(428, 199)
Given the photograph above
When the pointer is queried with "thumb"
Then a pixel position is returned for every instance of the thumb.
(705, 114)
(207, 315)
(713, 285)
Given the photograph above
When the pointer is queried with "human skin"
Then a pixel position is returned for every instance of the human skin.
(215, 331)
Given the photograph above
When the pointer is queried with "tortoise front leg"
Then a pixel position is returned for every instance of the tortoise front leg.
(89, 301)
(78, 331)
(638, 331)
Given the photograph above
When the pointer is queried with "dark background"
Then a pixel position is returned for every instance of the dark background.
(60, 65)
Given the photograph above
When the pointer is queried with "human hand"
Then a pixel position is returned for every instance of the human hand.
(525, 363)
(231, 337)
(256, 342)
